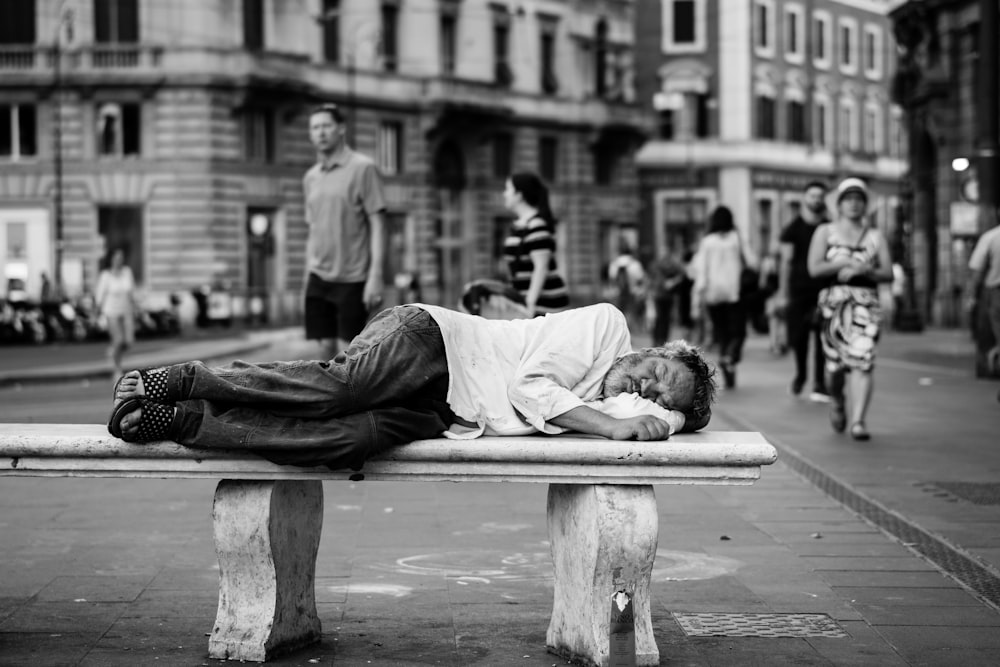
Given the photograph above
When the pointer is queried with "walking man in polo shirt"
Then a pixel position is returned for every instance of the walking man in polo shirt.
(344, 206)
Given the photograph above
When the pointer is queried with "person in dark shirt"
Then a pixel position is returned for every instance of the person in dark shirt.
(798, 291)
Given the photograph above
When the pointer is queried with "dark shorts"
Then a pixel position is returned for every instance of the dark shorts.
(334, 310)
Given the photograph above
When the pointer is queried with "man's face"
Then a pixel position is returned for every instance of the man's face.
(325, 132)
(814, 199)
(667, 382)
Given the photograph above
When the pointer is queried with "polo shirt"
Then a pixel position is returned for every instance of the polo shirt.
(338, 200)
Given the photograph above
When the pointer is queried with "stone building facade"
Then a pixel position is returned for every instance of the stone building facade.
(184, 135)
(755, 99)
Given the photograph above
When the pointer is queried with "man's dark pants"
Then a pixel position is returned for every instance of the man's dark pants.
(388, 387)
(800, 316)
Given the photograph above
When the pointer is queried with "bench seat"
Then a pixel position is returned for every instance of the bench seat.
(267, 517)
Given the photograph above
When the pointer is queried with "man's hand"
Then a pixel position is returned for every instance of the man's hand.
(643, 427)
(372, 295)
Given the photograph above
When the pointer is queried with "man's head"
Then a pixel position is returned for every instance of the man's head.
(814, 197)
(326, 128)
(674, 376)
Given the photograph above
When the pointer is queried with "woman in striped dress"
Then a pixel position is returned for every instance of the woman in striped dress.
(530, 248)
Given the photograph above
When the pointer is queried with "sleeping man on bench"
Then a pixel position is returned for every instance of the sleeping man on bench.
(420, 371)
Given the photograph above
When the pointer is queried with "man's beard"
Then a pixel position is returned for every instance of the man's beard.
(617, 380)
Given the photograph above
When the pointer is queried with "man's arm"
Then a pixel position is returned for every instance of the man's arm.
(583, 419)
(375, 283)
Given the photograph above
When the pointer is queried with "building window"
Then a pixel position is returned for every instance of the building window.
(503, 148)
(18, 131)
(822, 39)
(874, 141)
(873, 52)
(389, 148)
(765, 117)
(794, 46)
(847, 129)
(821, 127)
(17, 22)
(796, 111)
(331, 31)
(448, 44)
(503, 75)
(116, 21)
(682, 26)
(390, 37)
(897, 138)
(547, 49)
(606, 158)
(848, 46)
(121, 227)
(258, 135)
(119, 129)
(667, 125)
(701, 115)
(253, 25)
(763, 28)
(548, 158)
(601, 58)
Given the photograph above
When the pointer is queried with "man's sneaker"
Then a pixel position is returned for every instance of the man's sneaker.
(795, 388)
(819, 397)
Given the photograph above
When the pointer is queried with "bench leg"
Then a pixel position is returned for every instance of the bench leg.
(266, 537)
(603, 540)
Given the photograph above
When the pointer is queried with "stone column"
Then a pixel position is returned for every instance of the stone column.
(266, 537)
(603, 540)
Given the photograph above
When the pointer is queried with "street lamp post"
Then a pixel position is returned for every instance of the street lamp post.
(65, 22)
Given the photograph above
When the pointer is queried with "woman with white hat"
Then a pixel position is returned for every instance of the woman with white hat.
(854, 258)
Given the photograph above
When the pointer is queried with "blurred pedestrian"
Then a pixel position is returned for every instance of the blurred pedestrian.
(774, 314)
(665, 276)
(344, 209)
(798, 292)
(854, 258)
(718, 266)
(693, 330)
(116, 303)
(628, 276)
(984, 296)
(530, 248)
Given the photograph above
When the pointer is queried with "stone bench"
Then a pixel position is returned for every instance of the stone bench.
(602, 517)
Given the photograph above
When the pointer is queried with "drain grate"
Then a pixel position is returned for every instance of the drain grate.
(974, 492)
(759, 625)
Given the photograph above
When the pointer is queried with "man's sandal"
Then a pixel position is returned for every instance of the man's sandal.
(154, 424)
(154, 386)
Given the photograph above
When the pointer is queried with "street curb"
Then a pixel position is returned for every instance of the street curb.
(99, 371)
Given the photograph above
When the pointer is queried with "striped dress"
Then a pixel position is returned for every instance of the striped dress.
(525, 237)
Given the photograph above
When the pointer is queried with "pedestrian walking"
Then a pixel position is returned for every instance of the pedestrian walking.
(628, 276)
(666, 275)
(719, 265)
(798, 292)
(420, 371)
(854, 258)
(774, 314)
(116, 303)
(530, 248)
(984, 296)
(344, 209)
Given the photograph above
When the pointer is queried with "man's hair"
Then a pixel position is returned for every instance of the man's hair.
(704, 375)
(332, 109)
(815, 184)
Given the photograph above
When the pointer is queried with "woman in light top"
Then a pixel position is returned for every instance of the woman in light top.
(530, 248)
(717, 268)
(116, 303)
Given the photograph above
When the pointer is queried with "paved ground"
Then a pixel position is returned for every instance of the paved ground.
(123, 572)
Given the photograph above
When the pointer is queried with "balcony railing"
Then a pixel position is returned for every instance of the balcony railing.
(38, 58)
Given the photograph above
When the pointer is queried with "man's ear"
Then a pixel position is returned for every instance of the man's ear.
(691, 424)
